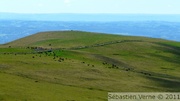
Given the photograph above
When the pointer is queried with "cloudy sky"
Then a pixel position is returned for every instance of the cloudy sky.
(91, 6)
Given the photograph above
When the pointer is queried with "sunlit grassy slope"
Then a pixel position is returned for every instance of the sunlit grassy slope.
(84, 66)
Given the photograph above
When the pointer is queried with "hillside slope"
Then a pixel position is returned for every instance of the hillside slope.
(92, 64)
(67, 39)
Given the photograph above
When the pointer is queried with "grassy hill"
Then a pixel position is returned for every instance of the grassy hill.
(76, 66)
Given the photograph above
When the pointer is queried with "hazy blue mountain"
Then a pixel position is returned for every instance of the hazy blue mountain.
(14, 29)
(14, 26)
(90, 17)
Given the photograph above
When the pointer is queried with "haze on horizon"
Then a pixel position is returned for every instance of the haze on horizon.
(91, 6)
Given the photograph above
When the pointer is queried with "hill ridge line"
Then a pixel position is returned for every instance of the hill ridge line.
(105, 44)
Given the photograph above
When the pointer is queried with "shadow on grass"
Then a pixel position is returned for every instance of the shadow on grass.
(169, 49)
(172, 59)
(112, 61)
(171, 85)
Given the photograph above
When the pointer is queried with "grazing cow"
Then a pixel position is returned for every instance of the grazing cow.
(104, 63)
(128, 69)
(146, 73)
(113, 65)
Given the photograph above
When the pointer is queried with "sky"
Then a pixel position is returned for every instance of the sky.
(91, 6)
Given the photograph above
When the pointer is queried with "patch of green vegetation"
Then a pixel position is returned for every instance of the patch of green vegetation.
(67, 39)
(74, 66)
(17, 88)
(173, 44)
(14, 50)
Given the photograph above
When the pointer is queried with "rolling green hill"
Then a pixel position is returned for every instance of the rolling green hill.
(84, 66)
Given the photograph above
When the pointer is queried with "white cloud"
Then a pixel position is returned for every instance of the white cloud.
(67, 1)
(40, 5)
(2, 35)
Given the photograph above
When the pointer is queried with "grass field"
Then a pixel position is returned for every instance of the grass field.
(84, 66)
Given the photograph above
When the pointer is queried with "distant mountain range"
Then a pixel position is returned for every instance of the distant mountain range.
(90, 17)
(14, 26)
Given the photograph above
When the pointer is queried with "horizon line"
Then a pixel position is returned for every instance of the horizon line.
(96, 13)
